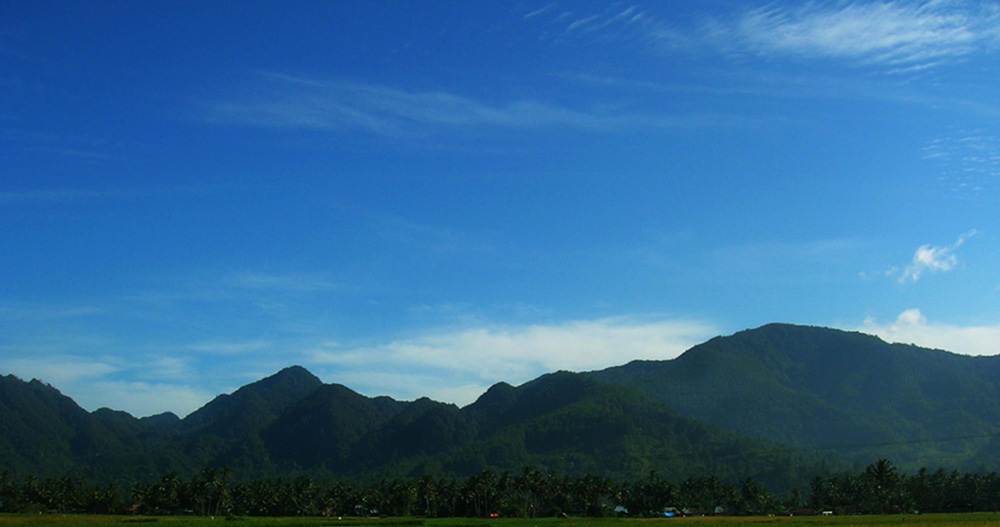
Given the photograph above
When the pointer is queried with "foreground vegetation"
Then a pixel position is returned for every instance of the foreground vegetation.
(926, 520)
(878, 489)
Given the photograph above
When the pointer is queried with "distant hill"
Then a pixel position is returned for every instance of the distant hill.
(780, 403)
(848, 394)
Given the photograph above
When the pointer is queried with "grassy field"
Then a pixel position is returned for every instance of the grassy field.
(927, 520)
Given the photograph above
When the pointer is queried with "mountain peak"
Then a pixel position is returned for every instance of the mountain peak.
(497, 399)
(297, 373)
(255, 403)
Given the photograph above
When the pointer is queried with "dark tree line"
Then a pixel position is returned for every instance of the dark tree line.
(880, 488)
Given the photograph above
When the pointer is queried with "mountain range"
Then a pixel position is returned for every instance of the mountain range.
(781, 403)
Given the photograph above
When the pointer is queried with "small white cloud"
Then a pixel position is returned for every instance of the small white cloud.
(912, 327)
(910, 318)
(930, 259)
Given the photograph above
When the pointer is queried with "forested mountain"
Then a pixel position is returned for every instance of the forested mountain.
(563, 422)
(44, 433)
(779, 403)
(848, 394)
(252, 406)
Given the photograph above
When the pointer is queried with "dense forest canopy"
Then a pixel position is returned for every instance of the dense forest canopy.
(878, 489)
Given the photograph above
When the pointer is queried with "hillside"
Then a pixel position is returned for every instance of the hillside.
(844, 393)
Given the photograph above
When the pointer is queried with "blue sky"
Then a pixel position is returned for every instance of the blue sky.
(427, 198)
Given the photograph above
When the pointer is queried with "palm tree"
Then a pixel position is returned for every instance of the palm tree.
(883, 482)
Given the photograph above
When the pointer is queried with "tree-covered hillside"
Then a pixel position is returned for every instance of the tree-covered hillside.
(848, 394)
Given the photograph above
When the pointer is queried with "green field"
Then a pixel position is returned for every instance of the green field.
(926, 520)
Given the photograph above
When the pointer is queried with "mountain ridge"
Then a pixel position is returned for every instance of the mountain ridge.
(774, 402)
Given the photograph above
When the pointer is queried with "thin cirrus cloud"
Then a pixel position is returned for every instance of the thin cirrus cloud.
(620, 19)
(894, 33)
(311, 103)
(475, 357)
(969, 161)
(904, 36)
(298, 102)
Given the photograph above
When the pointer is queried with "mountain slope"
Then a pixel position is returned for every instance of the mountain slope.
(254, 405)
(40, 429)
(830, 390)
(322, 429)
(45, 433)
(574, 425)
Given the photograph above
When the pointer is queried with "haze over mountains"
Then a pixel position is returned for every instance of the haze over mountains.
(781, 403)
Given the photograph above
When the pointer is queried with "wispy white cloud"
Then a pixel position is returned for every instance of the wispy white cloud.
(969, 161)
(932, 259)
(298, 102)
(900, 36)
(481, 355)
(893, 33)
(912, 327)
(613, 19)
(576, 24)
(310, 103)
(616, 19)
(539, 11)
